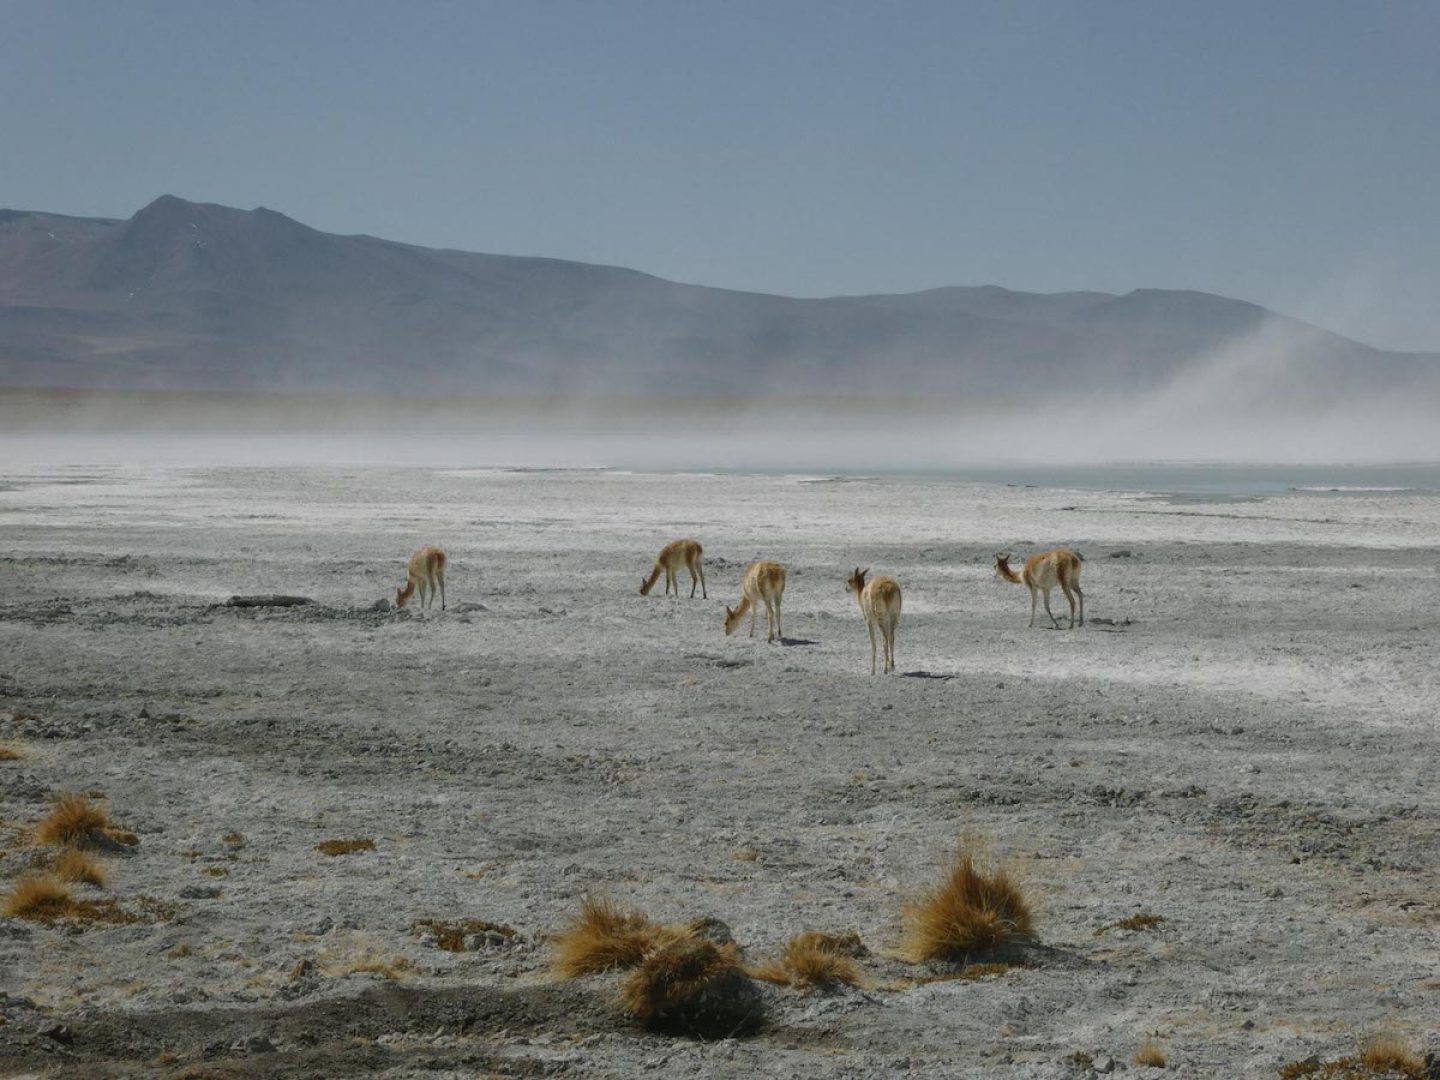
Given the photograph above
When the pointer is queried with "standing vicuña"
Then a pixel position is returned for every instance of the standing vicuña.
(1041, 574)
(426, 570)
(880, 604)
(672, 556)
(764, 583)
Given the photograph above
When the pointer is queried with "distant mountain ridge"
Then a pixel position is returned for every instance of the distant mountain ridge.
(198, 296)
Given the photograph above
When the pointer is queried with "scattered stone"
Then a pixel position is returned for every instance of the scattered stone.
(1104, 1064)
(253, 1044)
(200, 892)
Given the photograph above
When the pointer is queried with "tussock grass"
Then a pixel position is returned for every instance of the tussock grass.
(80, 866)
(41, 897)
(690, 985)
(46, 898)
(344, 847)
(1384, 1057)
(605, 936)
(814, 959)
(73, 822)
(1390, 1054)
(12, 751)
(974, 908)
(1149, 1053)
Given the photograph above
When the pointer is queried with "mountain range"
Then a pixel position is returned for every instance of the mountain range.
(187, 295)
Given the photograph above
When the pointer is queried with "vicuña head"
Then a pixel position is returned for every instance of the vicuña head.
(733, 617)
(856, 581)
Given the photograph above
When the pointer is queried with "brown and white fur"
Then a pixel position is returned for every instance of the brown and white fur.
(880, 604)
(425, 571)
(672, 557)
(764, 583)
(1042, 573)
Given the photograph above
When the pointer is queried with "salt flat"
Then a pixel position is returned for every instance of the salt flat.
(1242, 742)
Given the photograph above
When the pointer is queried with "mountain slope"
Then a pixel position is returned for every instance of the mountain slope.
(199, 296)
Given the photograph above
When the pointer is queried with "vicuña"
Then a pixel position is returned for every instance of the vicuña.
(764, 583)
(880, 604)
(425, 571)
(1042, 573)
(672, 557)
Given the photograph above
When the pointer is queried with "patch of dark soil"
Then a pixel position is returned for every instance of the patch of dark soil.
(333, 1037)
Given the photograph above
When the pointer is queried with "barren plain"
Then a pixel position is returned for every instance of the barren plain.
(1241, 743)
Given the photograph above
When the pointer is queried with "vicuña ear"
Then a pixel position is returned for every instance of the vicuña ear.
(862, 573)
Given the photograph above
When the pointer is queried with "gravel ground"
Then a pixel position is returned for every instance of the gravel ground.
(1243, 742)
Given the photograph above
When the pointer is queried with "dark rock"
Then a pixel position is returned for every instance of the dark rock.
(268, 600)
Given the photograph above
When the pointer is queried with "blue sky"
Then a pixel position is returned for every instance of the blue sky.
(1282, 152)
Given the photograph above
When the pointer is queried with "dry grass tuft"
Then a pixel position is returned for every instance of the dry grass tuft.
(1385, 1057)
(344, 847)
(974, 909)
(80, 866)
(45, 898)
(692, 985)
(814, 959)
(1389, 1054)
(605, 936)
(73, 822)
(12, 751)
(359, 955)
(451, 936)
(1149, 1053)
(1134, 922)
(42, 897)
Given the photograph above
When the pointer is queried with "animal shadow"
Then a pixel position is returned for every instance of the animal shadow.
(926, 675)
(791, 642)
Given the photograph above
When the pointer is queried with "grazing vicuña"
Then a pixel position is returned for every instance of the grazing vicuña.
(426, 572)
(764, 583)
(672, 557)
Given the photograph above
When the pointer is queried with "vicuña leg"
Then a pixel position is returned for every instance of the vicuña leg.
(1054, 622)
(871, 627)
(1080, 594)
(1034, 599)
(703, 594)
